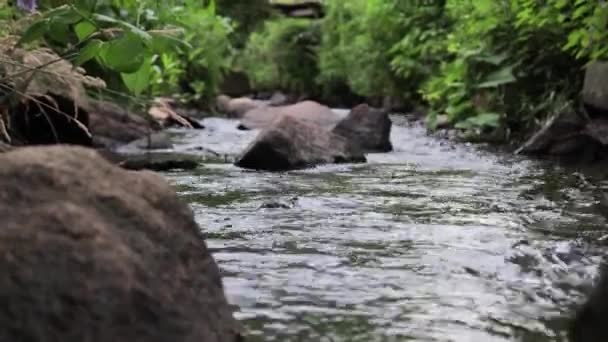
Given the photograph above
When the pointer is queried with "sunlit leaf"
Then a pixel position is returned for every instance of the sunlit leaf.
(125, 54)
(90, 51)
(137, 82)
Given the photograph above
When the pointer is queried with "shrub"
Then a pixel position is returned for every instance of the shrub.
(282, 56)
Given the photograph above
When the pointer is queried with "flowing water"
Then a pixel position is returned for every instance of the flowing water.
(432, 242)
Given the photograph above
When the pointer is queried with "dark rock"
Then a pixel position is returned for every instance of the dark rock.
(308, 111)
(112, 126)
(51, 119)
(368, 127)
(235, 83)
(597, 129)
(158, 161)
(279, 204)
(589, 324)
(595, 89)
(564, 126)
(293, 144)
(91, 252)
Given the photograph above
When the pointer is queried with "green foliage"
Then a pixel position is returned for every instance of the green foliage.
(392, 45)
(247, 16)
(282, 56)
(508, 58)
(151, 47)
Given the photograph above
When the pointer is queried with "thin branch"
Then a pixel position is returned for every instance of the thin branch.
(40, 103)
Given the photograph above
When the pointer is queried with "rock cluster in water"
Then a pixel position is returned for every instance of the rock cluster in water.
(307, 133)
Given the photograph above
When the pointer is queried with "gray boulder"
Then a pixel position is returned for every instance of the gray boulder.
(368, 127)
(291, 143)
(595, 88)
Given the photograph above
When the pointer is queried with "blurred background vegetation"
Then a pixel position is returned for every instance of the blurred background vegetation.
(477, 64)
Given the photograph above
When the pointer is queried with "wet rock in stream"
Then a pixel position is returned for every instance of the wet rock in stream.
(368, 127)
(294, 144)
(91, 252)
(570, 134)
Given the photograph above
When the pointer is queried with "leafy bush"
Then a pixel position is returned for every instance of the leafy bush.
(282, 56)
(152, 47)
(381, 47)
(508, 68)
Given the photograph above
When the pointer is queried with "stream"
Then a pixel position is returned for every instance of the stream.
(435, 241)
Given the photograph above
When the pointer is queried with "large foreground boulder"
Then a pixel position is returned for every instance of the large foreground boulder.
(369, 127)
(590, 322)
(291, 143)
(91, 252)
(307, 111)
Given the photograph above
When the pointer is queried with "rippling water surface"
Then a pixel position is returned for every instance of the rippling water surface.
(432, 242)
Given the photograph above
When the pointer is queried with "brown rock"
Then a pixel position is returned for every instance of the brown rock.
(560, 127)
(112, 125)
(308, 111)
(237, 107)
(368, 127)
(291, 143)
(91, 252)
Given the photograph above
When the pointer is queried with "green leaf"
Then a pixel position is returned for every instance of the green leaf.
(163, 43)
(139, 81)
(85, 6)
(59, 32)
(35, 31)
(84, 29)
(64, 14)
(125, 54)
(492, 59)
(497, 78)
(491, 120)
(90, 51)
(143, 35)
